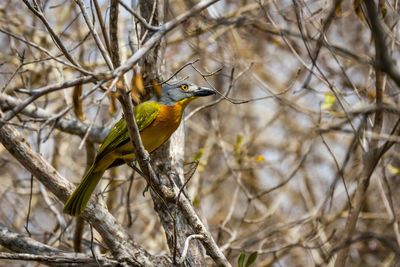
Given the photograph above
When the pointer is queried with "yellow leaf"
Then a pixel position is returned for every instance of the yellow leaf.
(113, 105)
(338, 10)
(393, 170)
(202, 166)
(137, 88)
(358, 10)
(77, 103)
(329, 100)
(114, 95)
(277, 41)
(260, 158)
(135, 96)
(120, 84)
(157, 88)
(138, 83)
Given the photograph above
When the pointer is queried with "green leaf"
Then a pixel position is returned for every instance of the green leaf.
(198, 154)
(241, 259)
(238, 146)
(196, 201)
(384, 12)
(239, 140)
(252, 258)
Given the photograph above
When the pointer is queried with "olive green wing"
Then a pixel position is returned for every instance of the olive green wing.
(145, 113)
(116, 137)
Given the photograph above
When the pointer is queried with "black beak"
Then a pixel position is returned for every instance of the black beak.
(203, 91)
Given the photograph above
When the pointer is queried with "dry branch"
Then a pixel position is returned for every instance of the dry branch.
(115, 237)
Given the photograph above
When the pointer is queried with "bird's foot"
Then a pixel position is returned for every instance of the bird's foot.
(146, 189)
(148, 185)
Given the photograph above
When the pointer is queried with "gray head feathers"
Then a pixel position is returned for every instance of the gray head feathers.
(175, 92)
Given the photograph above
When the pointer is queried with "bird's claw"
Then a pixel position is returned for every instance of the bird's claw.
(146, 189)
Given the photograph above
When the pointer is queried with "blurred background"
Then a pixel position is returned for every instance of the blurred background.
(273, 159)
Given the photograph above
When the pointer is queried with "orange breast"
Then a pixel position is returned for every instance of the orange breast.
(153, 136)
(165, 124)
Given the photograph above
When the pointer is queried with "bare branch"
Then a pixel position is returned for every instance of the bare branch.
(114, 236)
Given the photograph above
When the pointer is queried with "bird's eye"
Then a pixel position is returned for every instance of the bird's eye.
(184, 87)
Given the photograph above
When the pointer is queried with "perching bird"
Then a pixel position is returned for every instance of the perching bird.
(156, 120)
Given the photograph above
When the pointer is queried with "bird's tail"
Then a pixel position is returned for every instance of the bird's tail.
(76, 203)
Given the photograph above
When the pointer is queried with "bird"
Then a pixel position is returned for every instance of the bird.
(157, 120)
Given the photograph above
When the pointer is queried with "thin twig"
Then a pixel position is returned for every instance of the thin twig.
(53, 35)
(96, 37)
(139, 18)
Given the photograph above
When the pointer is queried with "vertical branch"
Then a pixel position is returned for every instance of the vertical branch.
(102, 26)
(114, 4)
(168, 160)
(169, 166)
(150, 64)
(372, 157)
(179, 221)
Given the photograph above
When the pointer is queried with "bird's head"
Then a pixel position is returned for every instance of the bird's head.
(182, 92)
